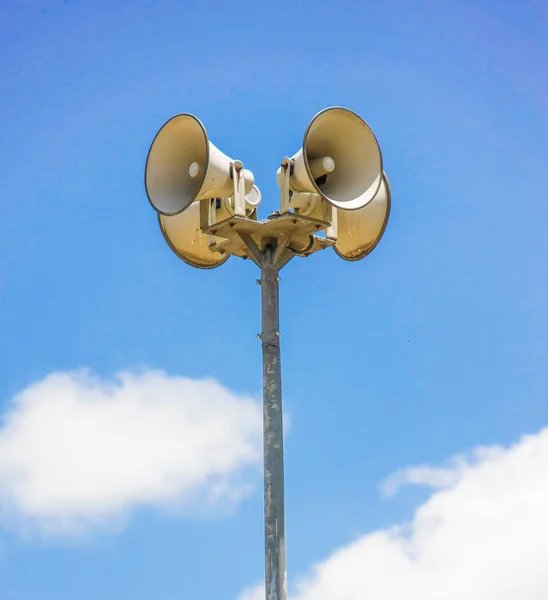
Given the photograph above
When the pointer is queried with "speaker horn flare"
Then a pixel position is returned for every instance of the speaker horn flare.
(183, 167)
(340, 159)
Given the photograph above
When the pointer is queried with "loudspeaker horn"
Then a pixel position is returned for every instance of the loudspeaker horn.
(184, 235)
(183, 167)
(340, 159)
(359, 231)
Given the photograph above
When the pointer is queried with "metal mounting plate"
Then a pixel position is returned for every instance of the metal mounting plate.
(293, 229)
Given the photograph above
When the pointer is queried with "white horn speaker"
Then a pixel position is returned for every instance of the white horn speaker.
(359, 231)
(184, 235)
(340, 159)
(183, 167)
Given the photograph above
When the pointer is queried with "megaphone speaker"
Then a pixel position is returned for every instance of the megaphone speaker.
(183, 167)
(359, 231)
(340, 159)
(184, 236)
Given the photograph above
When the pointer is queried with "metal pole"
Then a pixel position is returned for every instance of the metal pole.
(275, 576)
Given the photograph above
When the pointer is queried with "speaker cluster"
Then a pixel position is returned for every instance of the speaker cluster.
(339, 163)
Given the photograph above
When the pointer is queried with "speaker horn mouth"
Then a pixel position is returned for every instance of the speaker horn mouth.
(356, 168)
(192, 247)
(361, 251)
(169, 184)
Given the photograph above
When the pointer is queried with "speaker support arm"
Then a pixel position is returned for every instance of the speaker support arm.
(242, 237)
(256, 253)
(283, 182)
(239, 188)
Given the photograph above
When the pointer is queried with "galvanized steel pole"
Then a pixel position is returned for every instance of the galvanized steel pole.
(275, 579)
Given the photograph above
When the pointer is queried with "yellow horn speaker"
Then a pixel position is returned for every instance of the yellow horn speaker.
(340, 159)
(183, 167)
(184, 235)
(359, 231)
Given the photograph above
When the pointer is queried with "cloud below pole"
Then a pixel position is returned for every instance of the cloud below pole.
(77, 451)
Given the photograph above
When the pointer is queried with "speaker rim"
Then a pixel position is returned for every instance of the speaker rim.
(204, 171)
(307, 166)
(383, 229)
(180, 255)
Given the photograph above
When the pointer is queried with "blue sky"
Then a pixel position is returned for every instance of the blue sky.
(433, 345)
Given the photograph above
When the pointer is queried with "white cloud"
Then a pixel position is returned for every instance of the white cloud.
(436, 477)
(483, 535)
(76, 451)
(256, 592)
